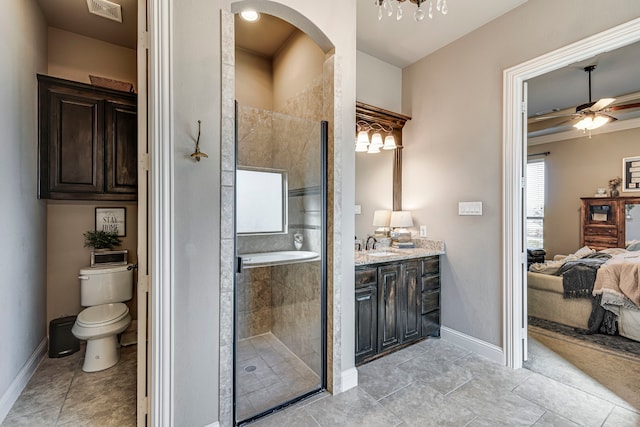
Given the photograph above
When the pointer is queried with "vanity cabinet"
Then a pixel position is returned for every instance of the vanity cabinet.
(87, 141)
(396, 303)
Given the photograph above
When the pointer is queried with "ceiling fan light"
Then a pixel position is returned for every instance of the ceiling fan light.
(599, 121)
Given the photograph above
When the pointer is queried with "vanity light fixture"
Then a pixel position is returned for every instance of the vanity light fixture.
(386, 6)
(250, 15)
(363, 145)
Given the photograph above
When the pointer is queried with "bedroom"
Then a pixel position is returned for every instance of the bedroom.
(576, 165)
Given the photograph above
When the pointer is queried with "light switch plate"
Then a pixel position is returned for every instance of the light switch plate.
(423, 231)
(469, 208)
(358, 209)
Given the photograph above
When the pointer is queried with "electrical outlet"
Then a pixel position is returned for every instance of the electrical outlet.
(423, 231)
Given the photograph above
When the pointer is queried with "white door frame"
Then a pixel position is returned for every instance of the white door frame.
(513, 151)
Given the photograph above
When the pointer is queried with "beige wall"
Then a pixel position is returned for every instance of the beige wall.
(295, 66)
(66, 254)
(454, 152)
(73, 57)
(254, 80)
(576, 168)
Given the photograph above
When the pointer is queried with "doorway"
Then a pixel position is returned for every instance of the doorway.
(514, 142)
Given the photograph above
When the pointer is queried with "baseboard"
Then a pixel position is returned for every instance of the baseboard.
(215, 424)
(349, 379)
(20, 381)
(483, 348)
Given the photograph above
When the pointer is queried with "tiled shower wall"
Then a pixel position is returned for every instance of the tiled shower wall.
(285, 299)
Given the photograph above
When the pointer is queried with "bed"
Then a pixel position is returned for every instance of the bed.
(611, 278)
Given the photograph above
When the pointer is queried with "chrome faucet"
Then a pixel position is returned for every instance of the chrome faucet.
(371, 243)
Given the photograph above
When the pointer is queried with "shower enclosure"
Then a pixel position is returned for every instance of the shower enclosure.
(280, 297)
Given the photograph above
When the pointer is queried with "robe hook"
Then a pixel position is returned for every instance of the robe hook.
(198, 154)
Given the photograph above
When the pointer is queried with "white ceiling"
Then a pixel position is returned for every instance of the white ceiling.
(399, 43)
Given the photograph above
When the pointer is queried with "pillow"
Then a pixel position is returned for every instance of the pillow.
(583, 252)
(634, 246)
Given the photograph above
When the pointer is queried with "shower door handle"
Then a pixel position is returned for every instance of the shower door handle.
(239, 264)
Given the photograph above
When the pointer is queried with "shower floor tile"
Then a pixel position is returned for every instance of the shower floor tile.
(268, 374)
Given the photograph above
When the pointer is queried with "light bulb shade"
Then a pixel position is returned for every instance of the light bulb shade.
(361, 148)
(401, 219)
(389, 143)
(591, 122)
(381, 218)
(363, 137)
(376, 140)
(373, 149)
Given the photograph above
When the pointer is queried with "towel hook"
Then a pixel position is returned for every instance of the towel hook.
(198, 154)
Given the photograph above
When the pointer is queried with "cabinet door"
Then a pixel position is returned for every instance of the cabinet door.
(389, 307)
(366, 322)
(75, 145)
(410, 309)
(121, 148)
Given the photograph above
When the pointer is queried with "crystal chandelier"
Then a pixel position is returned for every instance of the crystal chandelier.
(386, 6)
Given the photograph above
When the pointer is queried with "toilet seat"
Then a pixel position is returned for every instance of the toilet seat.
(102, 315)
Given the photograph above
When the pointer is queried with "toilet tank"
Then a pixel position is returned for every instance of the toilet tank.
(106, 284)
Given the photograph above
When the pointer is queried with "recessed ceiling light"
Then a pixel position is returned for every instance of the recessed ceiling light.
(250, 15)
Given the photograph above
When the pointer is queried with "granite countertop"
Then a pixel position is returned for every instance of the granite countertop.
(424, 248)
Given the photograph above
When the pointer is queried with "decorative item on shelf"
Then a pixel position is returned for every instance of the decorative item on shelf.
(363, 145)
(197, 154)
(400, 220)
(381, 219)
(601, 192)
(386, 6)
(298, 239)
(613, 186)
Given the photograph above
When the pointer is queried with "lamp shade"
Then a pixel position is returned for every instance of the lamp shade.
(401, 219)
(376, 140)
(389, 143)
(381, 218)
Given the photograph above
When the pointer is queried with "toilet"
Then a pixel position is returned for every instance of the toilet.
(103, 290)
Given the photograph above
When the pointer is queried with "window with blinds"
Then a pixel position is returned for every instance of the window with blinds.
(535, 204)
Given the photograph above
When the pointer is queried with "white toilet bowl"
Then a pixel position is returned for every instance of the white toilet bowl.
(100, 325)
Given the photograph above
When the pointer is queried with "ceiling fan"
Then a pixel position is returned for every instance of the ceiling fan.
(585, 117)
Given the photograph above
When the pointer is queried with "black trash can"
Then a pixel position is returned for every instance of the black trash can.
(61, 341)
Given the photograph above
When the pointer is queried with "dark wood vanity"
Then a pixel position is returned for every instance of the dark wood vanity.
(604, 221)
(397, 303)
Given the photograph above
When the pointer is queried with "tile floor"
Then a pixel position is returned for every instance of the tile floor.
(432, 383)
(61, 394)
(435, 383)
(269, 374)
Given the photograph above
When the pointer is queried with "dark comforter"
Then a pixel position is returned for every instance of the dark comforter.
(578, 278)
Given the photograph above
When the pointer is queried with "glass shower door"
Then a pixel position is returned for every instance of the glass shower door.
(280, 314)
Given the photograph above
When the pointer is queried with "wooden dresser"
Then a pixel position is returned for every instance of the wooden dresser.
(603, 221)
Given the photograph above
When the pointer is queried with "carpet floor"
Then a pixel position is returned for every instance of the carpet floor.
(604, 372)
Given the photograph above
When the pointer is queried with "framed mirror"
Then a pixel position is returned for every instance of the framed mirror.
(261, 201)
(632, 221)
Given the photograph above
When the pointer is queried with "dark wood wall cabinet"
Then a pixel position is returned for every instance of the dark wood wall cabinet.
(396, 304)
(603, 221)
(87, 142)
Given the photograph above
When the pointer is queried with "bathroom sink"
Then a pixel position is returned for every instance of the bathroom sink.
(380, 254)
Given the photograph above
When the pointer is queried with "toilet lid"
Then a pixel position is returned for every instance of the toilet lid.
(102, 314)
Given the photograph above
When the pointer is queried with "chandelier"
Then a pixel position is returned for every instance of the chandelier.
(418, 15)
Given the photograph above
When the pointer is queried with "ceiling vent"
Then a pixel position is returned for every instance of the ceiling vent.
(106, 9)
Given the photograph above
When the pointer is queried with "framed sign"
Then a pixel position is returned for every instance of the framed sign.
(631, 174)
(111, 220)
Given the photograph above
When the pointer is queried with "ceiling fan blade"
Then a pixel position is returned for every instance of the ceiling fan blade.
(546, 117)
(623, 107)
(562, 121)
(602, 103)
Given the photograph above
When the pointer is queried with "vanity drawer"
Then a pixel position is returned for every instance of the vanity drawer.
(366, 276)
(430, 301)
(431, 324)
(431, 265)
(430, 283)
